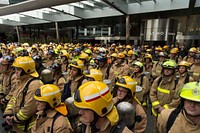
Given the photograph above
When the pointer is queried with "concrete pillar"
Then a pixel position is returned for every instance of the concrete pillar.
(109, 31)
(18, 35)
(94, 31)
(135, 42)
(127, 29)
(85, 31)
(57, 32)
(77, 28)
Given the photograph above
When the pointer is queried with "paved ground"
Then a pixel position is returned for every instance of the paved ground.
(1, 121)
(149, 122)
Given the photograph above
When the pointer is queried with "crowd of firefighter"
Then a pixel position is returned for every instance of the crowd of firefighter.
(85, 88)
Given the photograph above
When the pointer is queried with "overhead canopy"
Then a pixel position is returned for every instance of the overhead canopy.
(47, 11)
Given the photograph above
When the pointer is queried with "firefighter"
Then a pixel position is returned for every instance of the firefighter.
(64, 61)
(51, 115)
(121, 68)
(8, 80)
(106, 69)
(186, 117)
(85, 59)
(126, 88)
(157, 67)
(190, 57)
(184, 76)
(156, 56)
(76, 79)
(34, 50)
(113, 58)
(148, 63)
(142, 81)
(21, 109)
(97, 110)
(174, 55)
(164, 89)
(163, 92)
(38, 64)
(59, 79)
(76, 54)
(196, 67)
(129, 58)
(50, 58)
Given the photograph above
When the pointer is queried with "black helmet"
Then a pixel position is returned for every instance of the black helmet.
(37, 58)
(197, 56)
(7, 59)
(55, 67)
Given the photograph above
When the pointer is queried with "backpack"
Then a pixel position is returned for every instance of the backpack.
(108, 71)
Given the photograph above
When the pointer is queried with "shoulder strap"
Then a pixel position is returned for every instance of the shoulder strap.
(159, 80)
(59, 78)
(177, 59)
(54, 119)
(186, 58)
(10, 78)
(108, 71)
(119, 127)
(156, 63)
(83, 128)
(172, 118)
(25, 91)
(141, 80)
(176, 82)
(80, 81)
(187, 79)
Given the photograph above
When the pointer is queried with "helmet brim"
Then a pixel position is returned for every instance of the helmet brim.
(34, 74)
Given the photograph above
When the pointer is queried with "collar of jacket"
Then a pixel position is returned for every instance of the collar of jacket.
(148, 64)
(137, 75)
(188, 120)
(8, 71)
(197, 64)
(23, 78)
(121, 65)
(167, 79)
(103, 124)
(49, 113)
(184, 74)
(77, 77)
(105, 66)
